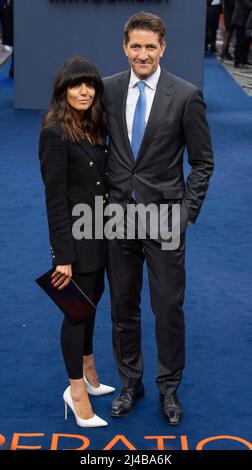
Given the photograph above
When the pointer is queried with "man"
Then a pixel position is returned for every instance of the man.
(214, 8)
(151, 116)
(239, 21)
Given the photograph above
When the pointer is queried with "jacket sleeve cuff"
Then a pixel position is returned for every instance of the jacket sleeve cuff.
(63, 257)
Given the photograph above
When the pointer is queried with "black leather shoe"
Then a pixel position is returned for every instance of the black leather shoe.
(226, 56)
(241, 66)
(123, 405)
(172, 410)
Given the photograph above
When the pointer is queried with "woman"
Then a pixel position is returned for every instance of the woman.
(73, 161)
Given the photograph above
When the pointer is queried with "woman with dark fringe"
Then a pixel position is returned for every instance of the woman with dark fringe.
(73, 164)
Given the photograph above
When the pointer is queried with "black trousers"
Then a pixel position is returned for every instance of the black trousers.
(2, 14)
(212, 24)
(77, 339)
(242, 45)
(166, 274)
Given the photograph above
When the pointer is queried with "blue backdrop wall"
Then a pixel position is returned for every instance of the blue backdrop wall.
(48, 32)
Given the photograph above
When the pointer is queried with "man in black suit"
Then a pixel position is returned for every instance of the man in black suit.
(239, 20)
(214, 9)
(150, 170)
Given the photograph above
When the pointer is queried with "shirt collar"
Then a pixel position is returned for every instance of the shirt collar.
(151, 81)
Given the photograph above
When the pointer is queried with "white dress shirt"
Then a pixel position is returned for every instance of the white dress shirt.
(133, 94)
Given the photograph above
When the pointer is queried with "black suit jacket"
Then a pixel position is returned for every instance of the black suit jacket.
(73, 173)
(241, 12)
(177, 120)
(249, 23)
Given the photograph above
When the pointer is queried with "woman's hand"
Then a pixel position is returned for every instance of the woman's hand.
(61, 276)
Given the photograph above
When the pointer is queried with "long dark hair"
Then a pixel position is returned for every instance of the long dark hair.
(75, 71)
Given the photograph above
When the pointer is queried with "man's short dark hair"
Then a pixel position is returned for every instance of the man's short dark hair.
(146, 21)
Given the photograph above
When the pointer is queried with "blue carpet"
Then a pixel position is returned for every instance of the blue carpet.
(216, 391)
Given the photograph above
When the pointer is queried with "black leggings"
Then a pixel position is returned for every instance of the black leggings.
(77, 340)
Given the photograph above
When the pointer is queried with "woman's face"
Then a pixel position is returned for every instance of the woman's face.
(81, 96)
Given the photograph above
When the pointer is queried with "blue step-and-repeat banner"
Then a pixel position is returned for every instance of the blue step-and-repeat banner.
(47, 32)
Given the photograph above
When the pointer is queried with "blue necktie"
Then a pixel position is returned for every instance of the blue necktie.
(138, 126)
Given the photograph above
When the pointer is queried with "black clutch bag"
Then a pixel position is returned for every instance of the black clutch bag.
(71, 300)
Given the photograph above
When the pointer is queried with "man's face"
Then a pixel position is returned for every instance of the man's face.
(144, 52)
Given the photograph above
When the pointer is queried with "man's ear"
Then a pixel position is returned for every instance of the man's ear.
(125, 48)
(163, 48)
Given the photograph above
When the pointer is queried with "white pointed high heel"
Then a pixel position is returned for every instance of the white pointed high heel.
(94, 422)
(96, 391)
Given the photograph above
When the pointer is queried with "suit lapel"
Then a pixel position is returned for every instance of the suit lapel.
(120, 103)
(159, 109)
